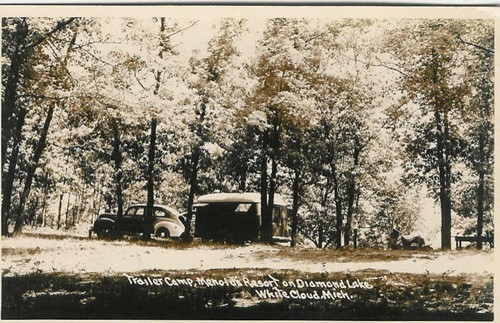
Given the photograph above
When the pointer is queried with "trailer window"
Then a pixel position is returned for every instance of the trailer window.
(243, 207)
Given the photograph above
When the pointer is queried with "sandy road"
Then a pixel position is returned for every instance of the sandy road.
(29, 254)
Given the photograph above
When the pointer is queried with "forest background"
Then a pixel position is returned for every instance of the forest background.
(372, 124)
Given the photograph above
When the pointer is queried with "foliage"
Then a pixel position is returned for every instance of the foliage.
(348, 119)
(433, 78)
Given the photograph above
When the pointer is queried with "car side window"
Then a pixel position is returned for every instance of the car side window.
(131, 211)
(162, 213)
(140, 212)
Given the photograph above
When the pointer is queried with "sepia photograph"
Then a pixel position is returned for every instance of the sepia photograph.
(248, 163)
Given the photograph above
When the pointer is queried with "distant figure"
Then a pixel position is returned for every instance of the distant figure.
(412, 243)
(393, 239)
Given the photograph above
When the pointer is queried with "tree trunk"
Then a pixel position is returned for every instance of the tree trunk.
(242, 186)
(193, 184)
(295, 206)
(338, 209)
(67, 211)
(118, 177)
(34, 219)
(8, 179)
(59, 211)
(481, 189)
(444, 167)
(75, 214)
(11, 88)
(32, 168)
(44, 203)
(446, 218)
(347, 231)
(321, 237)
(148, 220)
(76, 208)
(447, 163)
(444, 189)
(269, 228)
(81, 205)
(480, 210)
(97, 197)
(263, 188)
(351, 194)
(193, 179)
(160, 54)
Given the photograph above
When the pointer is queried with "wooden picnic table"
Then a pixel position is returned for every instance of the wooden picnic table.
(460, 239)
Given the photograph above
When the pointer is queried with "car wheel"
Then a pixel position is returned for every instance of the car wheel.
(103, 232)
(162, 233)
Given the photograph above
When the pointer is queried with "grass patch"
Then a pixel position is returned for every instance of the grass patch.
(351, 255)
(21, 252)
(138, 241)
(393, 297)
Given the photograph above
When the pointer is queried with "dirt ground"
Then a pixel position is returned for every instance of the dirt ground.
(38, 253)
(47, 275)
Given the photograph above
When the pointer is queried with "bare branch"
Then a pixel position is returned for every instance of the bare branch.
(90, 43)
(70, 48)
(182, 29)
(476, 45)
(377, 65)
(97, 58)
(55, 52)
(60, 25)
(138, 81)
(391, 68)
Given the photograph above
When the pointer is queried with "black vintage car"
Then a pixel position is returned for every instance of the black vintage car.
(166, 222)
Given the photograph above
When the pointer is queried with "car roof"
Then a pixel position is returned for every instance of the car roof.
(168, 208)
(236, 198)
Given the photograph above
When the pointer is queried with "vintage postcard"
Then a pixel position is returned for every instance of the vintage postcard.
(248, 162)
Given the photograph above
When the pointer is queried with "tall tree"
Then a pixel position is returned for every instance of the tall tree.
(429, 65)
(165, 52)
(24, 44)
(210, 83)
(19, 40)
(38, 150)
(286, 56)
(347, 129)
(478, 37)
(297, 160)
(141, 87)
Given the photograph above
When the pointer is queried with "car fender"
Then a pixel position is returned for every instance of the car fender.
(104, 222)
(175, 229)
